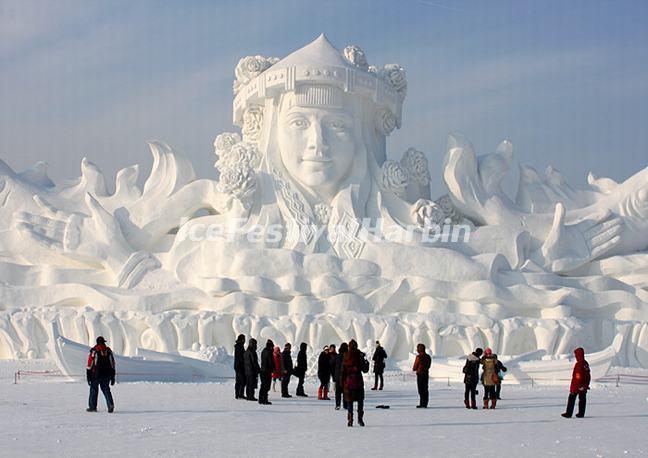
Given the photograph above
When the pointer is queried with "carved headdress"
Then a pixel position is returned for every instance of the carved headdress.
(322, 66)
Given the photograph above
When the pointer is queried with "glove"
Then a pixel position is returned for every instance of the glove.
(112, 381)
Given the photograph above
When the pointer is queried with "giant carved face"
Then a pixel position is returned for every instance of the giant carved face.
(316, 141)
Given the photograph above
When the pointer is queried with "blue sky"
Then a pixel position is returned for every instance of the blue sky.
(565, 81)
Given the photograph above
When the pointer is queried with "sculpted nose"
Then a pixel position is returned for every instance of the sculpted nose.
(316, 142)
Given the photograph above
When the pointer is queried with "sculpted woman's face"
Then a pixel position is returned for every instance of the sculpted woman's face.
(317, 144)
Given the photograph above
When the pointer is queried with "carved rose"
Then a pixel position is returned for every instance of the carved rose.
(252, 122)
(416, 164)
(385, 121)
(224, 142)
(241, 154)
(394, 178)
(322, 213)
(239, 181)
(449, 210)
(394, 74)
(428, 214)
(356, 56)
(251, 66)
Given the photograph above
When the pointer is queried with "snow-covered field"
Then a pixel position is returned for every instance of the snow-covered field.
(40, 416)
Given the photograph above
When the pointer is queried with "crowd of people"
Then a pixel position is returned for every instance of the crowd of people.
(345, 369)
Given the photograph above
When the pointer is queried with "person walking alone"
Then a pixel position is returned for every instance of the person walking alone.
(251, 363)
(579, 385)
(287, 370)
(422, 365)
(353, 366)
(471, 378)
(379, 357)
(239, 367)
(301, 369)
(265, 374)
(100, 373)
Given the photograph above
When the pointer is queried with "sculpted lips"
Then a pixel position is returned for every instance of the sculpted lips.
(315, 161)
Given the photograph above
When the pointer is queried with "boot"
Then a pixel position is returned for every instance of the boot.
(485, 404)
(325, 397)
(374, 388)
(319, 393)
(466, 404)
(493, 403)
(111, 409)
(473, 404)
(349, 419)
(361, 418)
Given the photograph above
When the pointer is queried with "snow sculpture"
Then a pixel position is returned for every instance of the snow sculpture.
(311, 234)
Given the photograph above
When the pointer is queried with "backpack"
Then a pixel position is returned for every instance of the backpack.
(364, 365)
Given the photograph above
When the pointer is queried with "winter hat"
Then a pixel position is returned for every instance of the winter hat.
(478, 352)
(488, 351)
(303, 346)
(377, 342)
(101, 340)
(353, 345)
(240, 338)
(269, 343)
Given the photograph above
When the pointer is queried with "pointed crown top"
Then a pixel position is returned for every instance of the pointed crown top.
(320, 63)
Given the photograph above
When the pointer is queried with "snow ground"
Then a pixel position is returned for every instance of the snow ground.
(45, 417)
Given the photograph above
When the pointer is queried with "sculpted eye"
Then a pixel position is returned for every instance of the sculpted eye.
(298, 123)
(338, 126)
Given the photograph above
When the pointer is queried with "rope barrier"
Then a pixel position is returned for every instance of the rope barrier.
(617, 379)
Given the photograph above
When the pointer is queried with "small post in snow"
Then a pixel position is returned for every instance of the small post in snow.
(618, 377)
(448, 381)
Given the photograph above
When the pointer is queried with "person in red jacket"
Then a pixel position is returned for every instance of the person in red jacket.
(100, 372)
(579, 385)
(278, 367)
(422, 365)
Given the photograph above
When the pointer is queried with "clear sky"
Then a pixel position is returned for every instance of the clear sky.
(565, 81)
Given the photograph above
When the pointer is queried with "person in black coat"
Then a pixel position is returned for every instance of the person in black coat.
(500, 369)
(267, 366)
(323, 373)
(301, 369)
(239, 367)
(100, 373)
(251, 363)
(287, 370)
(379, 357)
(337, 377)
(471, 378)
